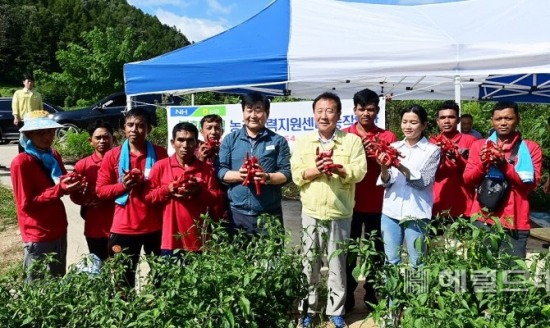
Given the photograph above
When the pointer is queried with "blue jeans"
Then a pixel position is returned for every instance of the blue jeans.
(393, 232)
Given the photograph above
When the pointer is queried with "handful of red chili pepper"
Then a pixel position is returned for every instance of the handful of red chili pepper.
(212, 148)
(251, 164)
(376, 146)
(135, 174)
(73, 177)
(493, 153)
(186, 182)
(446, 145)
(328, 168)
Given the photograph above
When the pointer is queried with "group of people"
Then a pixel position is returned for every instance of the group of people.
(134, 196)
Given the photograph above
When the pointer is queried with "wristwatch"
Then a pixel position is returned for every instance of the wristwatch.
(267, 178)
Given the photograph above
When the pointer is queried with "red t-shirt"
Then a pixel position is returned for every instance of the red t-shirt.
(181, 217)
(515, 213)
(99, 217)
(450, 192)
(369, 196)
(135, 217)
(40, 212)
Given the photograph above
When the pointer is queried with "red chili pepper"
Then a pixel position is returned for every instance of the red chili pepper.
(446, 145)
(251, 164)
(135, 174)
(328, 168)
(377, 146)
(493, 154)
(185, 182)
(73, 177)
(212, 148)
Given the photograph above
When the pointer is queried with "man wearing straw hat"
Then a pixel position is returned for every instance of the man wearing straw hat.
(38, 180)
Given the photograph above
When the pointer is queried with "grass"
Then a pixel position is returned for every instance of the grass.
(8, 216)
(10, 243)
(7, 90)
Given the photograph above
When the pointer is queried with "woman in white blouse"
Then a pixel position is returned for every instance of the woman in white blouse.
(408, 199)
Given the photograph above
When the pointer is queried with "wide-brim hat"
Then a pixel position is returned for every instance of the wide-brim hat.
(38, 120)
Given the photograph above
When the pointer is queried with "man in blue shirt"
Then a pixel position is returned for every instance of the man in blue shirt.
(272, 171)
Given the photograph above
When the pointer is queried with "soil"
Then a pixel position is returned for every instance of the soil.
(11, 250)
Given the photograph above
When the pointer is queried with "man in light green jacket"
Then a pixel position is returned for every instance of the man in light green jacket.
(326, 165)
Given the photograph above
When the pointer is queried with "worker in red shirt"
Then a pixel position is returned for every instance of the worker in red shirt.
(185, 187)
(452, 197)
(124, 169)
(523, 175)
(37, 176)
(97, 214)
(211, 131)
(368, 196)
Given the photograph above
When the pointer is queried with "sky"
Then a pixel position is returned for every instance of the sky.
(201, 19)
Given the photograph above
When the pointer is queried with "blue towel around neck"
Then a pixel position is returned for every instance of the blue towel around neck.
(524, 164)
(124, 166)
(46, 157)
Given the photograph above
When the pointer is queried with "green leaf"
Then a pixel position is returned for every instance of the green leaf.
(521, 263)
(356, 272)
(441, 302)
(27, 321)
(245, 304)
(229, 315)
(422, 299)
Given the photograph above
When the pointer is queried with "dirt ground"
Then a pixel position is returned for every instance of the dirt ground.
(11, 251)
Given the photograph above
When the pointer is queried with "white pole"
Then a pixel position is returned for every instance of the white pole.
(457, 97)
(192, 99)
(457, 89)
(128, 103)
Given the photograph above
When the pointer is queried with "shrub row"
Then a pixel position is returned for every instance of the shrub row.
(234, 282)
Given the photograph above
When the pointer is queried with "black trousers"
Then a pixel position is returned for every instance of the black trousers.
(371, 223)
(99, 247)
(131, 245)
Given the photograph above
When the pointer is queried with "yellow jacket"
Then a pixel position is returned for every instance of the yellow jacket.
(24, 102)
(328, 198)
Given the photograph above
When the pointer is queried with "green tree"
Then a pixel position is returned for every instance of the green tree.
(32, 31)
(94, 69)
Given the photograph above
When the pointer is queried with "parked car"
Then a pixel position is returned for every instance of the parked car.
(110, 109)
(8, 131)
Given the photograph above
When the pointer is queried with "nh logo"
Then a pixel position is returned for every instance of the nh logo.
(181, 111)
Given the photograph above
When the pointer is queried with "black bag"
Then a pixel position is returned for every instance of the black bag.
(492, 192)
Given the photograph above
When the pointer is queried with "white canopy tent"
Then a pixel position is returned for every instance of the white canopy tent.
(304, 47)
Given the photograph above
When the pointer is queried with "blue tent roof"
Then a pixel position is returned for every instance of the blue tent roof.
(531, 88)
(302, 48)
(260, 56)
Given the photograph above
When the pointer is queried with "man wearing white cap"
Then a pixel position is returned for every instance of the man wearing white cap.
(37, 176)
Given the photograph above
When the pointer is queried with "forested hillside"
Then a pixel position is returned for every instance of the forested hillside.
(43, 36)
